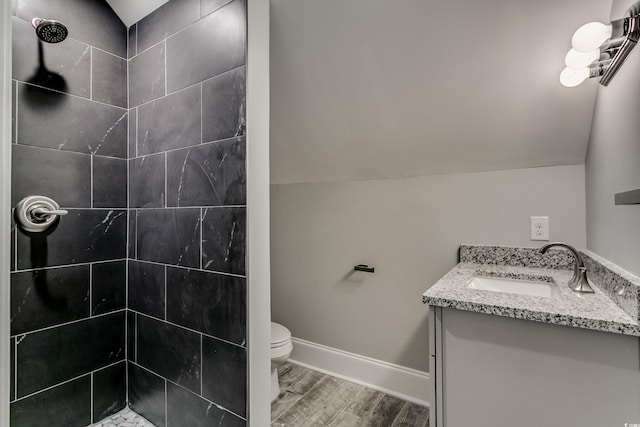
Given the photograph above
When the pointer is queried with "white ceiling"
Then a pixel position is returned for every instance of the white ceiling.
(131, 11)
(364, 89)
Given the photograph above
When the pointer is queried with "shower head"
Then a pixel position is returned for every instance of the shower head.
(50, 31)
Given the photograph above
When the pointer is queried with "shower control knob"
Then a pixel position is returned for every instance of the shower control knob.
(35, 214)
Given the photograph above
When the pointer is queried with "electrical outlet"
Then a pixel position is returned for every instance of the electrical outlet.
(540, 228)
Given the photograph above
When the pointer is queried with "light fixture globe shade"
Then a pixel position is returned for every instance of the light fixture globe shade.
(570, 77)
(577, 60)
(590, 36)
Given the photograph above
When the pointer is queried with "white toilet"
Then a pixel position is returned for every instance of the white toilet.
(280, 351)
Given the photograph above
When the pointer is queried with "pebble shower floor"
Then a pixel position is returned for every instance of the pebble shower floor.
(124, 418)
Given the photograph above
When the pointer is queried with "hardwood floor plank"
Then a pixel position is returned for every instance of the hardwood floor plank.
(385, 412)
(306, 382)
(285, 401)
(345, 419)
(358, 409)
(321, 404)
(289, 373)
(364, 402)
(412, 415)
(309, 398)
(336, 405)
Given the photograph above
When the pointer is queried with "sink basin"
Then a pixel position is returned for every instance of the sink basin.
(512, 286)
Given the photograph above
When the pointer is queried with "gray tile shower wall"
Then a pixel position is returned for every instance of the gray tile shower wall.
(186, 321)
(139, 294)
(68, 289)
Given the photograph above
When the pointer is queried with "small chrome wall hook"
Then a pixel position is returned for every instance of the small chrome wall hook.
(35, 214)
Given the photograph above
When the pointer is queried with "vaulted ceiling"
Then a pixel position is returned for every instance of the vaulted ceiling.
(364, 89)
(131, 11)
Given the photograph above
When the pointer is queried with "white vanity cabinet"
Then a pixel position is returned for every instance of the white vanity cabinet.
(494, 371)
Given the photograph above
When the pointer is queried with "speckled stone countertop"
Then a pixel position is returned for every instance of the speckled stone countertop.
(564, 307)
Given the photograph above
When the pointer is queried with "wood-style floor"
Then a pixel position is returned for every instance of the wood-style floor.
(310, 398)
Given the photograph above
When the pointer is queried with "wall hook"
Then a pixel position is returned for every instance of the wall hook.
(364, 267)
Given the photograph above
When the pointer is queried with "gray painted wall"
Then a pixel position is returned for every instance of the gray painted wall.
(375, 89)
(612, 164)
(410, 230)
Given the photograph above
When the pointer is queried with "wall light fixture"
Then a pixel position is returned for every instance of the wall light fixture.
(599, 50)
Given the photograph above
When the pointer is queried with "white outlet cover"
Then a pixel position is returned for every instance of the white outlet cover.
(540, 228)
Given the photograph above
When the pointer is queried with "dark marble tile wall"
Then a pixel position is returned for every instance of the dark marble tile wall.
(68, 288)
(187, 199)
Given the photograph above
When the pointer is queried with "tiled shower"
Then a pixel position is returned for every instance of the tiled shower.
(138, 297)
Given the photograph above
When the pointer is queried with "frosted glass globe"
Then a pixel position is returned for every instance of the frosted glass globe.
(570, 77)
(590, 36)
(577, 60)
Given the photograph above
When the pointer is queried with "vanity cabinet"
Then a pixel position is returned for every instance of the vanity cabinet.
(494, 371)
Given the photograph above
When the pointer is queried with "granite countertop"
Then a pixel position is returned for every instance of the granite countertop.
(564, 307)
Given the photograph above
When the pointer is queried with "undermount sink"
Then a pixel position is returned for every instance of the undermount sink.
(512, 286)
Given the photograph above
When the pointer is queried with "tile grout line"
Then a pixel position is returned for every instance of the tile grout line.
(134, 357)
(26, 270)
(61, 266)
(215, 11)
(165, 292)
(90, 291)
(221, 273)
(15, 250)
(137, 136)
(68, 381)
(110, 53)
(69, 94)
(170, 150)
(201, 244)
(131, 218)
(191, 85)
(166, 409)
(91, 181)
(175, 384)
(128, 244)
(135, 237)
(182, 208)
(135, 337)
(17, 107)
(91, 73)
(201, 365)
(69, 152)
(194, 331)
(15, 369)
(91, 398)
(46, 328)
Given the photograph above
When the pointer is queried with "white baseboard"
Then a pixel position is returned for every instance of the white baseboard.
(406, 383)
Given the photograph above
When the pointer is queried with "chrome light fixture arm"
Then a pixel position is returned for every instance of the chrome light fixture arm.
(610, 44)
(620, 54)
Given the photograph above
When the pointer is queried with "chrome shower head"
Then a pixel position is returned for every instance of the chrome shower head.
(50, 31)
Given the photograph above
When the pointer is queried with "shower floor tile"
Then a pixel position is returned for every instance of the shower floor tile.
(124, 418)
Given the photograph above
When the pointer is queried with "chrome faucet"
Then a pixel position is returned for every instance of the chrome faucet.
(578, 282)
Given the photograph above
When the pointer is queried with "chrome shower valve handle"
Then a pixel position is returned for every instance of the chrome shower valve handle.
(36, 214)
(42, 213)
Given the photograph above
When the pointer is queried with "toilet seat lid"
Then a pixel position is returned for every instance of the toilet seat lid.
(279, 335)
